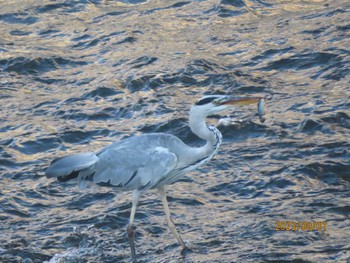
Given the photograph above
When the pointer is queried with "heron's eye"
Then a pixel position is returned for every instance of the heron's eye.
(216, 102)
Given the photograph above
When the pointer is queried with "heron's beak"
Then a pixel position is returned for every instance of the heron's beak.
(229, 100)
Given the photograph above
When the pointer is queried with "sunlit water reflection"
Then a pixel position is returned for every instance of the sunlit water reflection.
(77, 75)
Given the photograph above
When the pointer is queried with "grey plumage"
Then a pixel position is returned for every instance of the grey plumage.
(65, 166)
(140, 162)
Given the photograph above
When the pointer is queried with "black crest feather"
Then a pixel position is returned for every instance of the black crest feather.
(205, 101)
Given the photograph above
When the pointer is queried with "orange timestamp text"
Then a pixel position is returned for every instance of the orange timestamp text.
(301, 225)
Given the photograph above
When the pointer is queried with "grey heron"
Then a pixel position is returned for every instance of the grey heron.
(149, 161)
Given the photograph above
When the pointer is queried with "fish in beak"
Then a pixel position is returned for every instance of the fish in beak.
(230, 100)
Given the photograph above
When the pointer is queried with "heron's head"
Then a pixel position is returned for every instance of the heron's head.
(211, 104)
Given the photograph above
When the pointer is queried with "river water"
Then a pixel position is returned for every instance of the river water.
(78, 75)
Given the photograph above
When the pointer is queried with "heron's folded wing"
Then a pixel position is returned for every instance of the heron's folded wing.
(64, 166)
(134, 167)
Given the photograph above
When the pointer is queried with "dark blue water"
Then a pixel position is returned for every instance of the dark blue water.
(77, 75)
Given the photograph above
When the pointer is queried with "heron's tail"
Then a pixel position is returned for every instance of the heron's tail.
(81, 166)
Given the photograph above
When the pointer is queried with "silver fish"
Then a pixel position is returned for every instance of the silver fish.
(261, 110)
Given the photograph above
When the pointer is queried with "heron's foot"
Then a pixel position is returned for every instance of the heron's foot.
(131, 232)
(186, 250)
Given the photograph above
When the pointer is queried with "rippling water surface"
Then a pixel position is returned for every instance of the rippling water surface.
(77, 75)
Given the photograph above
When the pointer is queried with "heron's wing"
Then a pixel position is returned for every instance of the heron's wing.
(137, 163)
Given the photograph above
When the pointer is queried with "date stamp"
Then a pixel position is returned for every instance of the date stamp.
(301, 225)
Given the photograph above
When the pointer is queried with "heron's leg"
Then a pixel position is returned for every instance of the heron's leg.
(135, 199)
(168, 218)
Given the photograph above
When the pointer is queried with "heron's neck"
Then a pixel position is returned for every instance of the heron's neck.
(205, 132)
